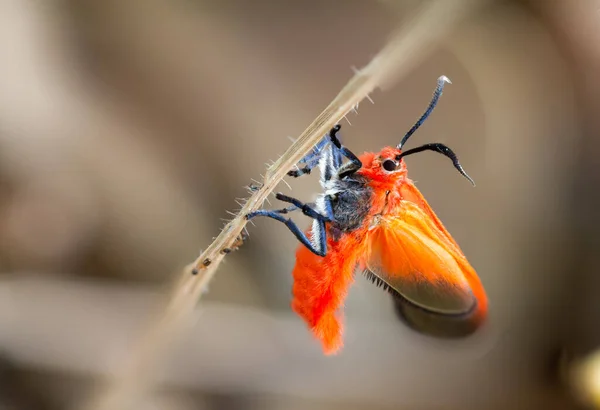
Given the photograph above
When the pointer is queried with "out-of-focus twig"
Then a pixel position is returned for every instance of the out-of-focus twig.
(405, 48)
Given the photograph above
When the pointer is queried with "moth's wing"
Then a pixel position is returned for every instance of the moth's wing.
(436, 290)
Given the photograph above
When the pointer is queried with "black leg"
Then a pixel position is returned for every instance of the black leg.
(355, 163)
(290, 209)
(310, 163)
(337, 157)
(316, 151)
(305, 170)
(319, 228)
(335, 149)
(306, 209)
(328, 207)
(311, 159)
(296, 231)
(330, 158)
(286, 210)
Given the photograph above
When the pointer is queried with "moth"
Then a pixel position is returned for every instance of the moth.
(371, 218)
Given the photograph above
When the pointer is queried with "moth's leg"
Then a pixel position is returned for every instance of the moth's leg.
(337, 158)
(291, 208)
(307, 168)
(286, 210)
(316, 151)
(355, 163)
(329, 164)
(321, 246)
(311, 159)
(318, 227)
(306, 209)
(319, 233)
(328, 207)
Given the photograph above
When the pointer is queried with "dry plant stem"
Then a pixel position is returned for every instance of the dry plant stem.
(405, 48)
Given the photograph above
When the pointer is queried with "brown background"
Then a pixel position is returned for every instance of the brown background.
(127, 130)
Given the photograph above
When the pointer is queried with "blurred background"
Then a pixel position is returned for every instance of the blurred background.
(127, 130)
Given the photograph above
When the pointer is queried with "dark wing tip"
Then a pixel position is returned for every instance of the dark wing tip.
(428, 321)
(440, 325)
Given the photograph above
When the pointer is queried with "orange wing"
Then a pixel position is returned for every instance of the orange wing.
(413, 256)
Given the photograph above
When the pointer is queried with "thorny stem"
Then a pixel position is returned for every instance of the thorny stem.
(405, 49)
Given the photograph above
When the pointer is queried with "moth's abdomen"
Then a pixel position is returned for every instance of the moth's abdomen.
(320, 287)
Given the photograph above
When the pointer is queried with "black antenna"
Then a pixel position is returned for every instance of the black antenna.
(436, 96)
(442, 149)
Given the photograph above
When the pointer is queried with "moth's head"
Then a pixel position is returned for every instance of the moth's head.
(386, 165)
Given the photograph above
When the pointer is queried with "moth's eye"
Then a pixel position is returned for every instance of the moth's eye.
(389, 165)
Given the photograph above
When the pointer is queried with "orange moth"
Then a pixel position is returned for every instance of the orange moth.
(371, 218)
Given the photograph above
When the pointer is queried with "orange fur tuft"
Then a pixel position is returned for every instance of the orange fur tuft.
(320, 288)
